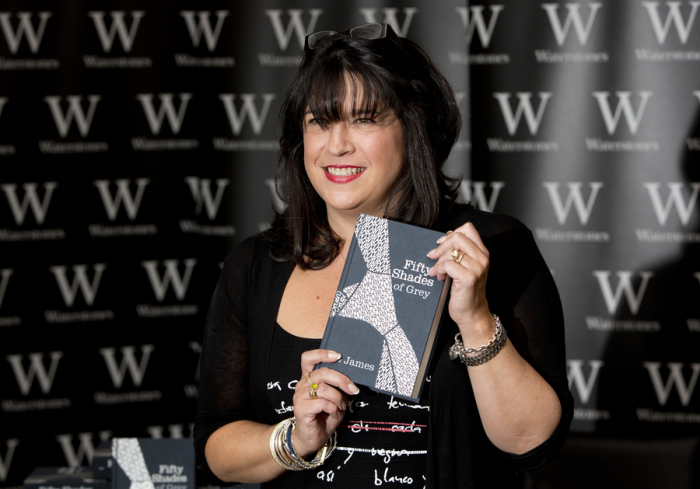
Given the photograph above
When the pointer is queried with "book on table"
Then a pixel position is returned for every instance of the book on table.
(387, 309)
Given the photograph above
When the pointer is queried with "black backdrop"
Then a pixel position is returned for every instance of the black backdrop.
(137, 147)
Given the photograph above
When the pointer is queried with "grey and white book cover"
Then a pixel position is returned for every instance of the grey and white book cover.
(387, 309)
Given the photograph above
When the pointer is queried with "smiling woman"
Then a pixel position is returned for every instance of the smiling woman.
(367, 125)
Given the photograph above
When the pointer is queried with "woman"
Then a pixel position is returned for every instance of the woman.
(366, 127)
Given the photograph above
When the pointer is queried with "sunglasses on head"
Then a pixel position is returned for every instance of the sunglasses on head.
(374, 30)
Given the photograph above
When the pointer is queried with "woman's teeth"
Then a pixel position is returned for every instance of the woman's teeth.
(344, 172)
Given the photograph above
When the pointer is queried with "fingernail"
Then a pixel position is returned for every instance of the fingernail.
(431, 252)
(353, 388)
(335, 356)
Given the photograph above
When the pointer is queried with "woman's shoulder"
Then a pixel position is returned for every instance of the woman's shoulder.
(488, 224)
(251, 249)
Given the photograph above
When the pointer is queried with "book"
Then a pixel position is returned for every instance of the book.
(387, 309)
(64, 478)
(153, 463)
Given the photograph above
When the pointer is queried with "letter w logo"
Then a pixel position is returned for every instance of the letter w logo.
(203, 27)
(576, 377)
(171, 275)
(80, 281)
(126, 36)
(123, 194)
(624, 106)
(624, 286)
(475, 193)
(86, 448)
(75, 111)
(390, 18)
(201, 192)
(31, 199)
(575, 198)
(574, 17)
(25, 26)
(524, 107)
(674, 16)
(296, 25)
(476, 21)
(25, 378)
(685, 391)
(675, 197)
(167, 109)
(248, 109)
(128, 363)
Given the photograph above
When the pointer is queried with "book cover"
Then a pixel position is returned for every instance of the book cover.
(387, 309)
(153, 463)
(64, 478)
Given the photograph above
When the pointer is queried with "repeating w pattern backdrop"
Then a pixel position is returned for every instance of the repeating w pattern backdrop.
(138, 144)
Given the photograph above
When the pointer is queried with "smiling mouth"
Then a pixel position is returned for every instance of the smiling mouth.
(344, 172)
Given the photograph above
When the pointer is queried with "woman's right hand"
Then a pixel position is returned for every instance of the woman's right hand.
(317, 419)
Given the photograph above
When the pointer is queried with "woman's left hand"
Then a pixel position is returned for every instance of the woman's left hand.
(468, 305)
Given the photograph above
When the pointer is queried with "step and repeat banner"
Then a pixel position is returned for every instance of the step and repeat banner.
(586, 125)
(138, 144)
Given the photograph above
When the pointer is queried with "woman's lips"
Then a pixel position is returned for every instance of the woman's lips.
(344, 174)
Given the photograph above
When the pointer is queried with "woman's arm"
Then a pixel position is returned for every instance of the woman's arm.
(518, 408)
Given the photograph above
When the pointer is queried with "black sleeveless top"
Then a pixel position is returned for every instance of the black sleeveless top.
(381, 440)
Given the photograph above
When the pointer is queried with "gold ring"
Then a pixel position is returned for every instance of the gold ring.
(312, 391)
(457, 255)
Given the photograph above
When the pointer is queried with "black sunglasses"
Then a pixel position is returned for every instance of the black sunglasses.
(374, 30)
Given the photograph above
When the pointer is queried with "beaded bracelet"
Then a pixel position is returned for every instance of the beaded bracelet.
(282, 448)
(485, 352)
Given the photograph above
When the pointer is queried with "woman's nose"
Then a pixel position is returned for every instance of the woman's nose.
(340, 142)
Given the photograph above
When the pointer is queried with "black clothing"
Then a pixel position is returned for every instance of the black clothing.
(520, 289)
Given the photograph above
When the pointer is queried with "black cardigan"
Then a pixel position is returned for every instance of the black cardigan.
(520, 289)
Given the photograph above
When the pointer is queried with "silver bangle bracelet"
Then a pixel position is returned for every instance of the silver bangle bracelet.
(485, 352)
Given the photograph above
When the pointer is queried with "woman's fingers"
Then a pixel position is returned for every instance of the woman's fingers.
(311, 358)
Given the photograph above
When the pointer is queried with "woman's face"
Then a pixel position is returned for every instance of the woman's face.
(354, 163)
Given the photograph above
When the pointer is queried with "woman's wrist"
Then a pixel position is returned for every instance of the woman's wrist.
(478, 331)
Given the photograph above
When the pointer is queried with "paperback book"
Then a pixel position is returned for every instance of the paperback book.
(387, 309)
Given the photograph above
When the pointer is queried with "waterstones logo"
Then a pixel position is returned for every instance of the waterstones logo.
(205, 199)
(199, 26)
(391, 18)
(39, 207)
(74, 112)
(27, 369)
(156, 118)
(295, 26)
(82, 455)
(584, 386)
(475, 193)
(562, 210)
(675, 379)
(474, 21)
(624, 288)
(533, 120)
(248, 110)
(112, 203)
(561, 31)
(107, 35)
(633, 118)
(118, 374)
(680, 17)
(69, 293)
(161, 284)
(683, 206)
(24, 27)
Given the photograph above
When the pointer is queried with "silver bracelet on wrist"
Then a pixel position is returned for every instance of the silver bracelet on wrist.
(485, 352)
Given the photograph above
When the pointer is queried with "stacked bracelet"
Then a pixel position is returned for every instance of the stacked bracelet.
(485, 352)
(282, 448)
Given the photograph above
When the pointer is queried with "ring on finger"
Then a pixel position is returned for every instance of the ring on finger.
(457, 255)
(313, 391)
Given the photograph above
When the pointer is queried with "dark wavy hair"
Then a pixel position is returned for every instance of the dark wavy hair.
(391, 73)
